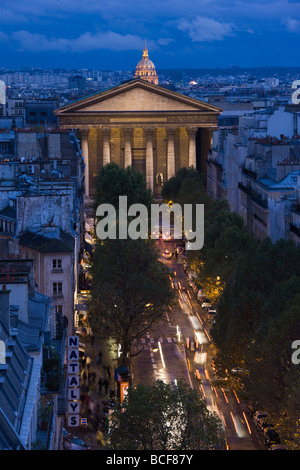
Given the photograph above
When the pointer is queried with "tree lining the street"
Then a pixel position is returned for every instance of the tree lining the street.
(131, 291)
(165, 417)
(131, 288)
(114, 181)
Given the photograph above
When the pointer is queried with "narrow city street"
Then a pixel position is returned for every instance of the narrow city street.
(169, 354)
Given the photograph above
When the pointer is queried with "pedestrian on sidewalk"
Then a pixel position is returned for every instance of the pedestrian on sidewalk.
(106, 384)
(107, 369)
(100, 385)
(100, 354)
(87, 400)
(88, 362)
(100, 438)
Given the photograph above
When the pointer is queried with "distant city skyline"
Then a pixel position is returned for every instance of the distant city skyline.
(110, 35)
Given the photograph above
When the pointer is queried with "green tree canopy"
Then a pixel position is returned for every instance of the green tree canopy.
(114, 181)
(165, 417)
(130, 292)
(172, 186)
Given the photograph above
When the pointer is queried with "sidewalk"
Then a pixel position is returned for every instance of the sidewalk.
(99, 362)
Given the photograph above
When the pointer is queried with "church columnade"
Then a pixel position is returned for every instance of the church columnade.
(106, 146)
(128, 132)
(84, 135)
(149, 157)
(158, 152)
(170, 152)
(192, 131)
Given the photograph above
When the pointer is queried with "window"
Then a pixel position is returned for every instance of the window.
(56, 265)
(4, 146)
(57, 289)
(59, 309)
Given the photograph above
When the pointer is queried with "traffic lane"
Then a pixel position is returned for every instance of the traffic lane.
(186, 315)
(236, 424)
(226, 402)
(162, 357)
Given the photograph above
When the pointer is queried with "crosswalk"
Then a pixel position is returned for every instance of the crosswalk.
(161, 340)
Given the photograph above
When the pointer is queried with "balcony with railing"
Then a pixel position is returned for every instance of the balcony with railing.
(250, 173)
(255, 196)
(53, 386)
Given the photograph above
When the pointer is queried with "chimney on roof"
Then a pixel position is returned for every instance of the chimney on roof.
(4, 309)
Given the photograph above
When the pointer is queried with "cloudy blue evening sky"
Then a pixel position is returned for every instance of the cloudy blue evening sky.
(110, 34)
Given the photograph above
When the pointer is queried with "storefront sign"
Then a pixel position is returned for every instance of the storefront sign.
(123, 390)
(73, 371)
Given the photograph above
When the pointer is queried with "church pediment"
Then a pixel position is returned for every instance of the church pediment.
(134, 96)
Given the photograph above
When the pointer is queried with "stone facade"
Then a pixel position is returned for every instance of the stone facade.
(139, 124)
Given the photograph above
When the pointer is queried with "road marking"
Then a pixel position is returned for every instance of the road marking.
(237, 399)
(161, 355)
(248, 426)
(225, 395)
(234, 423)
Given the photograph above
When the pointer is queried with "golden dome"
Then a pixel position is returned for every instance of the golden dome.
(145, 68)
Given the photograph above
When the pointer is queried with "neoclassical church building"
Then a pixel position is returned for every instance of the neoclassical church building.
(141, 124)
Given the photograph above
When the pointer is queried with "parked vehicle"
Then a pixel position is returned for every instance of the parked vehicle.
(237, 370)
(270, 436)
(260, 416)
(264, 424)
(205, 304)
(201, 296)
(211, 313)
(277, 447)
(71, 442)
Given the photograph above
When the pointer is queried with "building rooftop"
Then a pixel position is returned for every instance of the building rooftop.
(289, 182)
(57, 242)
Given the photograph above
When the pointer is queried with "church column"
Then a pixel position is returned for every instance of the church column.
(192, 146)
(106, 145)
(128, 153)
(170, 153)
(84, 134)
(149, 157)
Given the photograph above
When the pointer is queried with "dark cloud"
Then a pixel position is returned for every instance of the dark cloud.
(189, 27)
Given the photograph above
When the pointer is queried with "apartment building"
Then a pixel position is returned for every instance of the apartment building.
(255, 166)
(31, 415)
(41, 206)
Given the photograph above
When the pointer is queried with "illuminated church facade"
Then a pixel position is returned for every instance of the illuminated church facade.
(145, 69)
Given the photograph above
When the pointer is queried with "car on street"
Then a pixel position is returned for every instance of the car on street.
(205, 304)
(167, 237)
(277, 447)
(211, 313)
(237, 370)
(264, 424)
(270, 436)
(71, 442)
(167, 254)
(260, 416)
